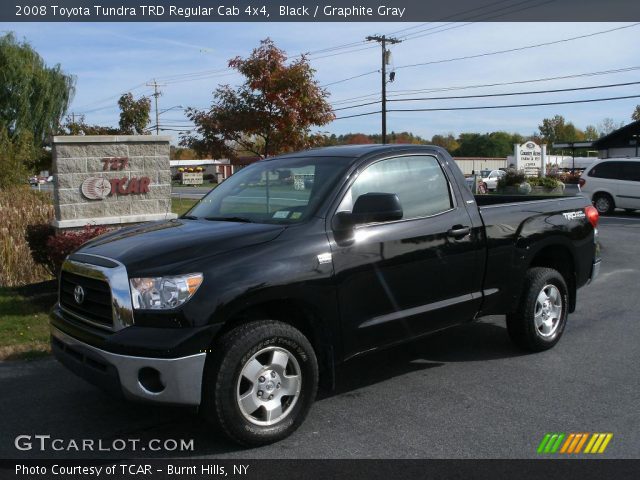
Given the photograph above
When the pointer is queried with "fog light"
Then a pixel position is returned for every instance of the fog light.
(151, 380)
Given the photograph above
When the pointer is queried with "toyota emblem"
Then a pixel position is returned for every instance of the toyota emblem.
(78, 294)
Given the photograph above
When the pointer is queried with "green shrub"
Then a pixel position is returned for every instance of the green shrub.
(512, 178)
(546, 182)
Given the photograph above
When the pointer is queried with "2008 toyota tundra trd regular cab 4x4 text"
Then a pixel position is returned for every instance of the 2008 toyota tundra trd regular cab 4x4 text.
(301, 262)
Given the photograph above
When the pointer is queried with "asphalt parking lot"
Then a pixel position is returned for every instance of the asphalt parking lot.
(463, 393)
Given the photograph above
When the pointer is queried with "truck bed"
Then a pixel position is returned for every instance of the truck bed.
(484, 200)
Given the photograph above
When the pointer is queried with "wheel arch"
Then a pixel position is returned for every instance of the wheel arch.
(603, 191)
(300, 315)
(560, 258)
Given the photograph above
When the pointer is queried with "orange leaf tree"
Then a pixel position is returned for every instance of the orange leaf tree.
(272, 112)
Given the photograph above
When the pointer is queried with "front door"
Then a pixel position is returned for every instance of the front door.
(404, 278)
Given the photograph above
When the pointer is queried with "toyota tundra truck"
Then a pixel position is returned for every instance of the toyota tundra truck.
(299, 263)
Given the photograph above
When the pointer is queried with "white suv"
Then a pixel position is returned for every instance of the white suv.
(613, 183)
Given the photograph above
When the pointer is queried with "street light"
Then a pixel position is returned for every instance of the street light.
(170, 108)
(158, 113)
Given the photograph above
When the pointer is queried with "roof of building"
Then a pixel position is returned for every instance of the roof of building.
(620, 137)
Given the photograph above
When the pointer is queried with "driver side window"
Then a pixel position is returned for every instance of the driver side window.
(418, 180)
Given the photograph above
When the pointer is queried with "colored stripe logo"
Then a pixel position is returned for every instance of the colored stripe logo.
(573, 443)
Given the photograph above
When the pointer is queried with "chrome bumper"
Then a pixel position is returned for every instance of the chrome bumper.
(180, 379)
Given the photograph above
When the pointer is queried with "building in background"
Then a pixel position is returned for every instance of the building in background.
(620, 143)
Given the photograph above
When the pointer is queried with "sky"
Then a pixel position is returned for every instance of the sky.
(190, 61)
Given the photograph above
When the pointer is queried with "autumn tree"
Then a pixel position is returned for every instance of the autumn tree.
(134, 114)
(272, 112)
(448, 142)
(635, 116)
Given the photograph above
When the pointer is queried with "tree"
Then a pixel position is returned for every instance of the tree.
(33, 97)
(78, 126)
(608, 125)
(177, 153)
(591, 133)
(16, 155)
(556, 129)
(271, 112)
(494, 144)
(134, 114)
(449, 143)
(635, 116)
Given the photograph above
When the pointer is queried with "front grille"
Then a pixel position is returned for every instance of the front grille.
(96, 307)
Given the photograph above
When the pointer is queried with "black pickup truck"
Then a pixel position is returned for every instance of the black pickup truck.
(299, 263)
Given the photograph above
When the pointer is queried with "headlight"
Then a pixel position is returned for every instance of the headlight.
(161, 293)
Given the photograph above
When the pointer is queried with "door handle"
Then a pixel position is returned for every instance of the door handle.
(458, 231)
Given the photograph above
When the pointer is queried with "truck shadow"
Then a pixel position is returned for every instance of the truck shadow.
(478, 341)
(55, 402)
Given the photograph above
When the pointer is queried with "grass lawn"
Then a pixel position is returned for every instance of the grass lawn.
(181, 205)
(24, 312)
(24, 321)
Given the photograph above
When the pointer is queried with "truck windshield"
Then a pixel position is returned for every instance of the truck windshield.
(280, 191)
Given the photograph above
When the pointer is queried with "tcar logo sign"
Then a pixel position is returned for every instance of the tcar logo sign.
(96, 188)
(99, 188)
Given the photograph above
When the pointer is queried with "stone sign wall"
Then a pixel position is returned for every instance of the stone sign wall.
(110, 180)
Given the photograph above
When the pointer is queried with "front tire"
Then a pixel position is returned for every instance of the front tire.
(541, 315)
(260, 382)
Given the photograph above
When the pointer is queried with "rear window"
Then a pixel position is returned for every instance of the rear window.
(617, 171)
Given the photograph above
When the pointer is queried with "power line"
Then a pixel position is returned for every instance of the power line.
(397, 93)
(486, 54)
(566, 102)
(350, 78)
(574, 89)
(459, 97)
(486, 107)
(518, 49)
(514, 82)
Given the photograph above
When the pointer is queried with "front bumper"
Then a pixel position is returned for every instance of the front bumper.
(162, 380)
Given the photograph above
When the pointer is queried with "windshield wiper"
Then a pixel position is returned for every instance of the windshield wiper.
(229, 219)
(190, 217)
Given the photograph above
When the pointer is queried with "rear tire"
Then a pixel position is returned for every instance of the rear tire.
(541, 316)
(260, 382)
(603, 203)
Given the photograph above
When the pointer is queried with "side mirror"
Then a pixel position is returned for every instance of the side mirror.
(376, 207)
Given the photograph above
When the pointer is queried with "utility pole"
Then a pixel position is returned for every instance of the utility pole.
(383, 40)
(156, 94)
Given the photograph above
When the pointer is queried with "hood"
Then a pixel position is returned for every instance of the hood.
(162, 244)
